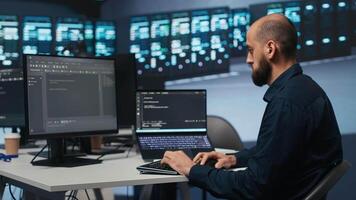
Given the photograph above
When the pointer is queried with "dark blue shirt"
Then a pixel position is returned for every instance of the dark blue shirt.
(298, 143)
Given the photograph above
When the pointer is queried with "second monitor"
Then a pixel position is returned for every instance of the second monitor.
(67, 97)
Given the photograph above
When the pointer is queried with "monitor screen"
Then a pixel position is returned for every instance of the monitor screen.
(200, 43)
(180, 43)
(219, 39)
(69, 32)
(140, 43)
(240, 22)
(105, 35)
(37, 35)
(9, 41)
(292, 10)
(89, 37)
(11, 98)
(69, 95)
(171, 111)
(160, 44)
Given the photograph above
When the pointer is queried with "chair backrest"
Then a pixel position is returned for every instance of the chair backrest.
(330, 179)
(222, 134)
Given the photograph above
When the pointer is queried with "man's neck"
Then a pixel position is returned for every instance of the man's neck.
(279, 68)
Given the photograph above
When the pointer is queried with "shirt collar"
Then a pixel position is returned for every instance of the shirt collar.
(281, 81)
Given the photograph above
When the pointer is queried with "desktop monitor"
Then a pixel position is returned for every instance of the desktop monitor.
(68, 97)
(11, 98)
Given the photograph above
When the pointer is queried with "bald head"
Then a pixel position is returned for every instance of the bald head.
(278, 28)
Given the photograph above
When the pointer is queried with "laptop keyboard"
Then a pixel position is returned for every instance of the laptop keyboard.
(174, 142)
(156, 167)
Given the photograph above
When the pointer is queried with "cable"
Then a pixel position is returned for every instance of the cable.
(128, 152)
(33, 159)
(21, 195)
(86, 192)
(72, 197)
(75, 193)
(110, 152)
(12, 195)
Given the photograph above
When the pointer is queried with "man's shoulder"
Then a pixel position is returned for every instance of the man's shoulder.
(301, 90)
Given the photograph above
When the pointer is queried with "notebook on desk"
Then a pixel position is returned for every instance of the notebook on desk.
(171, 120)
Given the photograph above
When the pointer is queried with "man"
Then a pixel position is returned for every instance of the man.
(299, 139)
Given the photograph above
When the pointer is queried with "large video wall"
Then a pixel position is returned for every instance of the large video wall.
(198, 42)
(63, 36)
(324, 26)
(181, 44)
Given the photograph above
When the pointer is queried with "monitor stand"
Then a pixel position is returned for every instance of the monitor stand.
(57, 158)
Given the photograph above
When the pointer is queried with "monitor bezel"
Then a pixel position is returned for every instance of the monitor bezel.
(65, 134)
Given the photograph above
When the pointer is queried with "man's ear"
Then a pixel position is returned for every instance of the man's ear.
(270, 49)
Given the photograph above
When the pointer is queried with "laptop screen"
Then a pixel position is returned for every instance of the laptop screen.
(171, 111)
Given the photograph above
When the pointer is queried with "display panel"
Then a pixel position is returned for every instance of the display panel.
(343, 30)
(89, 37)
(160, 44)
(12, 98)
(219, 39)
(180, 44)
(200, 42)
(140, 43)
(105, 35)
(239, 23)
(69, 33)
(59, 101)
(37, 35)
(9, 42)
(292, 10)
(327, 28)
(310, 38)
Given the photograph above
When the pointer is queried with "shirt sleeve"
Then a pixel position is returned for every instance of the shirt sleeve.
(243, 156)
(275, 157)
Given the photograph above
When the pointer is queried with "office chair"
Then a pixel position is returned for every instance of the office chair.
(222, 134)
(323, 187)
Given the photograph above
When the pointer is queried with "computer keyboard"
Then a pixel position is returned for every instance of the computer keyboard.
(175, 142)
(156, 168)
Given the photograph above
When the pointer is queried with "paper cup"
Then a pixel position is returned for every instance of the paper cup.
(12, 143)
(95, 142)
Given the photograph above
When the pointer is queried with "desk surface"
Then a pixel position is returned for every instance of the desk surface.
(116, 170)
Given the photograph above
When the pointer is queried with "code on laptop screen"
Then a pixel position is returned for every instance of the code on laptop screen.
(171, 111)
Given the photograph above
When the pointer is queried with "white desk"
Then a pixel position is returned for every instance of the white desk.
(116, 170)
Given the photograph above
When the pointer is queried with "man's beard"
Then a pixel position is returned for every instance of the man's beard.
(261, 75)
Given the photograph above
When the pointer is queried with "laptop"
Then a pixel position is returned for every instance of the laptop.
(171, 120)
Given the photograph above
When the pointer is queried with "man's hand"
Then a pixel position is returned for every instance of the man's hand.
(179, 161)
(222, 159)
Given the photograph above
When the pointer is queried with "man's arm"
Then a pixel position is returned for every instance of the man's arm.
(243, 156)
(276, 155)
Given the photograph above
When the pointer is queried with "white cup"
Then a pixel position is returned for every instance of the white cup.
(12, 143)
